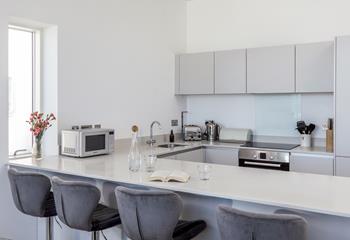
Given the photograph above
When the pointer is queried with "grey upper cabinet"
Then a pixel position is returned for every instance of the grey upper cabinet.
(271, 70)
(196, 73)
(342, 98)
(315, 67)
(230, 72)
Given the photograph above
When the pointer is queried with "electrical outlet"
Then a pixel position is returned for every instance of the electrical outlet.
(174, 123)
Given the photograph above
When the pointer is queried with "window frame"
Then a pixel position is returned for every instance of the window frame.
(36, 78)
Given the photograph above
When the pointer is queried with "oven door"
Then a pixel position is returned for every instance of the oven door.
(282, 166)
(94, 143)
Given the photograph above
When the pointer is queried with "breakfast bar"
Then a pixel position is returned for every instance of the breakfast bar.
(322, 200)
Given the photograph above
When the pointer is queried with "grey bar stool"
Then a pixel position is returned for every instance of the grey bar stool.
(240, 225)
(32, 196)
(78, 207)
(149, 215)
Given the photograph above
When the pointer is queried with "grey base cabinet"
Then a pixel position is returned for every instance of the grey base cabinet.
(311, 163)
(225, 156)
(342, 166)
(193, 156)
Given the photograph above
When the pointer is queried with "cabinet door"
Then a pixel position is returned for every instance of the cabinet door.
(271, 70)
(342, 166)
(196, 73)
(309, 163)
(230, 72)
(225, 156)
(315, 67)
(192, 156)
(342, 97)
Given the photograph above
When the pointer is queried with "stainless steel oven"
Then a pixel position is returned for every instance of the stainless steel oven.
(266, 159)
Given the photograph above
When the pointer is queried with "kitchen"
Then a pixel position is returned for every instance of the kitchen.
(157, 62)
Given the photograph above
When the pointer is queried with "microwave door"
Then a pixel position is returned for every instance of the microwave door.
(94, 144)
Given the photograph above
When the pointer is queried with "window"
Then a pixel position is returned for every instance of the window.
(24, 87)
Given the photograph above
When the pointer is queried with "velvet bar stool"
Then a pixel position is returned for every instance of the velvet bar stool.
(235, 224)
(78, 207)
(32, 196)
(149, 215)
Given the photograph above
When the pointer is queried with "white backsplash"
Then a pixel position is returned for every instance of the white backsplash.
(266, 115)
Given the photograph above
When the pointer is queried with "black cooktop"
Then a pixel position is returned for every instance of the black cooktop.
(279, 146)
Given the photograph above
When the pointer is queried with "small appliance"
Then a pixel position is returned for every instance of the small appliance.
(192, 133)
(235, 135)
(274, 156)
(212, 131)
(87, 142)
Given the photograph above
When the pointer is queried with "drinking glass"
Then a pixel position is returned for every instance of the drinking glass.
(204, 171)
(150, 162)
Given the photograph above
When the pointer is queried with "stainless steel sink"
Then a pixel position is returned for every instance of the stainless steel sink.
(171, 145)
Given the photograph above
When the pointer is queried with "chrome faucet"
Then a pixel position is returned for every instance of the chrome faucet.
(152, 141)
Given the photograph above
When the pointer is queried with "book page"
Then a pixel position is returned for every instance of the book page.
(179, 176)
(160, 175)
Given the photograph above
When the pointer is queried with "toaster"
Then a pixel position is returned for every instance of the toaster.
(192, 133)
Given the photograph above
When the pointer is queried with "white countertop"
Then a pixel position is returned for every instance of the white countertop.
(310, 192)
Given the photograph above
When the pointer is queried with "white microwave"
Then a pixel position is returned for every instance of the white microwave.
(87, 142)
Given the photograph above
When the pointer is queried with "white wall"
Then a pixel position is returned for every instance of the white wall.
(266, 115)
(229, 24)
(115, 67)
(115, 60)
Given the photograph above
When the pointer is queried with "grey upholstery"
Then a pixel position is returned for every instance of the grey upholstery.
(31, 193)
(239, 225)
(149, 215)
(78, 206)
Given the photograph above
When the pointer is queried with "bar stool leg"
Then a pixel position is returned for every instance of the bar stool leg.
(49, 228)
(95, 236)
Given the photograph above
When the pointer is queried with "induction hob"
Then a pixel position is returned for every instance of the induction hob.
(278, 146)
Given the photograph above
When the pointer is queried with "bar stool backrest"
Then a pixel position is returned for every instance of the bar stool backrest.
(29, 191)
(235, 224)
(148, 214)
(75, 202)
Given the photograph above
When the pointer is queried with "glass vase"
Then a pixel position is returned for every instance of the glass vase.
(37, 149)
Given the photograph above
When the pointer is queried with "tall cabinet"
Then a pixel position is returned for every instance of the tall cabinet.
(342, 109)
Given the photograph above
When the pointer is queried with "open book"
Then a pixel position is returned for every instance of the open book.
(166, 176)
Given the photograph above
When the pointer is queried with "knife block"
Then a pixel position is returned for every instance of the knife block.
(329, 141)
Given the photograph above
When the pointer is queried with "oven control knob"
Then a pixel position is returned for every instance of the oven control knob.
(255, 157)
(272, 157)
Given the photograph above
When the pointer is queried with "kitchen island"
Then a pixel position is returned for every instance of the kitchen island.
(323, 200)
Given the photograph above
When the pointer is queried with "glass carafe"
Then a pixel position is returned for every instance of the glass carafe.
(134, 156)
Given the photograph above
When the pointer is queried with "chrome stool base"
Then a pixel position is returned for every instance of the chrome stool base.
(49, 228)
(95, 236)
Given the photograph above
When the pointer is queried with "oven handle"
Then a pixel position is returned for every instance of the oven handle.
(263, 164)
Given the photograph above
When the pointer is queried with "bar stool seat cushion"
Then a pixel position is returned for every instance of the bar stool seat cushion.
(50, 208)
(104, 217)
(185, 230)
